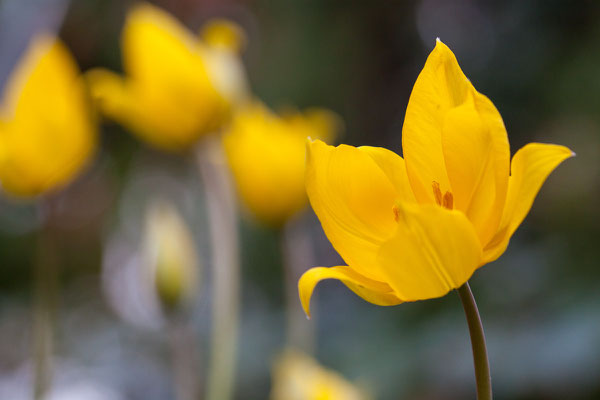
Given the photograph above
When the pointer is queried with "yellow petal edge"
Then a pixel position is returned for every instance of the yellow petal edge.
(372, 291)
(530, 167)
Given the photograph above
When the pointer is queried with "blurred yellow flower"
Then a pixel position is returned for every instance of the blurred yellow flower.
(47, 129)
(416, 228)
(266, 153)
(298, 377)
(177, 87)
(170, 254)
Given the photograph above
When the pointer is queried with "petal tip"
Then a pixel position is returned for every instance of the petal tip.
(441, 46)
(305, 290)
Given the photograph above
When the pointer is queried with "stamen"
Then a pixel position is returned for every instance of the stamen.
(437, 193)
(396, 212)
(448, 201)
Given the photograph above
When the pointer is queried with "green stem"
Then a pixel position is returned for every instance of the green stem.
(480, 357)
(45, 293)
(222, 216)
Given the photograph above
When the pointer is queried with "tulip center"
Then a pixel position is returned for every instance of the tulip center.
(446, 201)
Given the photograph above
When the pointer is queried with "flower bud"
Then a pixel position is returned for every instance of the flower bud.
(170, 255)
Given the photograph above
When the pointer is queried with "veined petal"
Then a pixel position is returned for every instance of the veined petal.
(354, 199)
(372, 291)
(477, 156)
(530, 167)
(441, 86)
(433, 251)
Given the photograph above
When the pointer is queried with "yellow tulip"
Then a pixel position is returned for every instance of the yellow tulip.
(296, 376)
(416, 228)
(47, 129)
(266, 153)
(177, 87)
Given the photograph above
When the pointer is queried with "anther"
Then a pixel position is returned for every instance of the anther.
(448, 201)
(396, 212)
(437, 193)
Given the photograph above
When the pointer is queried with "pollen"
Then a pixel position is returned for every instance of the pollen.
(446, 201)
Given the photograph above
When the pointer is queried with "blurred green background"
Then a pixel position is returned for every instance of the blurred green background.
(538, 61)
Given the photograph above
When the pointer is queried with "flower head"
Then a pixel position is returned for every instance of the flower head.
(296, 376)
(47, 129)
(177, 87)
(266, 153)
(416, 228)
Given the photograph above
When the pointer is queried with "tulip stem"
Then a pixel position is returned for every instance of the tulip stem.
(45, 293)
(184, 357)
(480, 356)
(222, 218)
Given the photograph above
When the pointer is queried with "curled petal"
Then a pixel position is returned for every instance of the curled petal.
(372, 291)
(530, 167)
(354, 199)
(433, 251)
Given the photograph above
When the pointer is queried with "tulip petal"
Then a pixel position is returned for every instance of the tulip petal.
(375, 292)
(354, 199)
(394, 168)
(267, 157)
(172, 80)
(477, 157)
(45, 106)
(530, 167)
(441, 86)
(157, 49)
(109, 91)
(433, 251)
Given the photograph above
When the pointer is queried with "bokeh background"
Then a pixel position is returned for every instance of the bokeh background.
(539, 63)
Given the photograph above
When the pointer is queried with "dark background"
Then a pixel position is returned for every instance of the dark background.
(539, 62)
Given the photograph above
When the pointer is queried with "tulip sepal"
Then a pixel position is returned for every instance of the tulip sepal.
(480, 356)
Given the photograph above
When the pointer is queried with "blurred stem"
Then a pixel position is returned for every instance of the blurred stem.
(297, 252)
(480, 356)
(184, 353)
(222, 216)
(45, 295)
